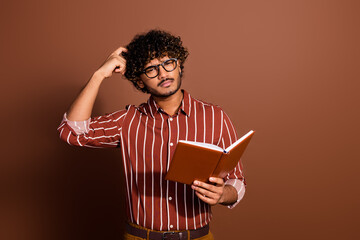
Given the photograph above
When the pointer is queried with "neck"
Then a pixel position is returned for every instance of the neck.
(170, 104)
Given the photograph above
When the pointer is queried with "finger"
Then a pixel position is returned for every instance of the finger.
(120, 59)
(205, 199)
(120, 70)
(202, 196)
(123, 68)
(120, 50)
(207, 186)
(203, 191)
(218, 181)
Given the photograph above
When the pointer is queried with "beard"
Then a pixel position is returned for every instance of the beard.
(154, 92)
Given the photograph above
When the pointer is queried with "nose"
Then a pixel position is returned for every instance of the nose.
(162, 73)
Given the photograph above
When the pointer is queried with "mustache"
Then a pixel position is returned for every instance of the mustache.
(165, 80)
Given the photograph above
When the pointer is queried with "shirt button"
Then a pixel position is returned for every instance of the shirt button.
(170, 198)
(171, 144)
(171, 226)
(171, 119)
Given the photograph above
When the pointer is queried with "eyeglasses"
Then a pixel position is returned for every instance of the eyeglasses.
(169, 65)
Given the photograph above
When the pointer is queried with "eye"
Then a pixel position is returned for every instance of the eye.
(150, 69)
(168, 62)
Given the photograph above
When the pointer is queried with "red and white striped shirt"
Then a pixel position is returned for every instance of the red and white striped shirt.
(147, 137)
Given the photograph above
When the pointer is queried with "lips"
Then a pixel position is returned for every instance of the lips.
(166, 83)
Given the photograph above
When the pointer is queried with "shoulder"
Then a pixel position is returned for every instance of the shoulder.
(207, 106)
(113, 115)
(142, 109)
(215, 110)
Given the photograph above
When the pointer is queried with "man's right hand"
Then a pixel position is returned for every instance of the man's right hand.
(81, 108)
(114, 63)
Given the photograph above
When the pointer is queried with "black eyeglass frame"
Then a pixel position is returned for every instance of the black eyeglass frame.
(161, 64)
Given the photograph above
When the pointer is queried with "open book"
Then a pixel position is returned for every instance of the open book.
(195, 160)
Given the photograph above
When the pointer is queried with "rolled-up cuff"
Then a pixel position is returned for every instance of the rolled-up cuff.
(240, 189)
(79, 127)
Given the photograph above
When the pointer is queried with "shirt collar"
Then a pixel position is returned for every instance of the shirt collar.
(152, 108)
(186, 103)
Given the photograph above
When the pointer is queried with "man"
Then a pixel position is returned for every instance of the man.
(147, 136)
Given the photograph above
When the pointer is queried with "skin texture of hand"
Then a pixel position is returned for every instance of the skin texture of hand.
(81, 108)
(114, 63)
(215, 192)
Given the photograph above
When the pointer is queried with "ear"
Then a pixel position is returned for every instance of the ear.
(179, 66)
(140, 83)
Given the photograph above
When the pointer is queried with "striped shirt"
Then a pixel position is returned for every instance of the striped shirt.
(147, 137)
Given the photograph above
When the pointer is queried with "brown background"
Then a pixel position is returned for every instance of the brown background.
(287, 69)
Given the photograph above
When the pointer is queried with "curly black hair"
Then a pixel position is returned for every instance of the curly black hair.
(145, 47)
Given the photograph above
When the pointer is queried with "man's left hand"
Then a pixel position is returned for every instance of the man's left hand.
(211, 194)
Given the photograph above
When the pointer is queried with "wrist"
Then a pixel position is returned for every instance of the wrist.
(97, 77)
(100, 74)
(229, 195)
(222, 199)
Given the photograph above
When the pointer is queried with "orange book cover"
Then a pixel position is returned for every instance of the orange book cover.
(199, 161)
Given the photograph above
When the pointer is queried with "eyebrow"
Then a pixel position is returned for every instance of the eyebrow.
(161, 61)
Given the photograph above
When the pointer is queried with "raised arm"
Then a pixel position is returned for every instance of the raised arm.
(77, 128)
(81, 108)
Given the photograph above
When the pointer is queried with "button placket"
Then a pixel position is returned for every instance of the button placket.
(172, 137)
(170, 123)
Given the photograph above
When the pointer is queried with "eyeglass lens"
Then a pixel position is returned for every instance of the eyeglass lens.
(153, 71)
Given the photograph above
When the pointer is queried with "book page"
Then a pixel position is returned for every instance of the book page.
(238, 141)
(204, 145)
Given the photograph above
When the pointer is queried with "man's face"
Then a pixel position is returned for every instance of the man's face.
(165, 83)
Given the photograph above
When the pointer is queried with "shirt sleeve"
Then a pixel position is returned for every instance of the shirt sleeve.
(236, 177)
(97, 132)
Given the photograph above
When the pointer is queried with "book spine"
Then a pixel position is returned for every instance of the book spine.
(217, 171)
